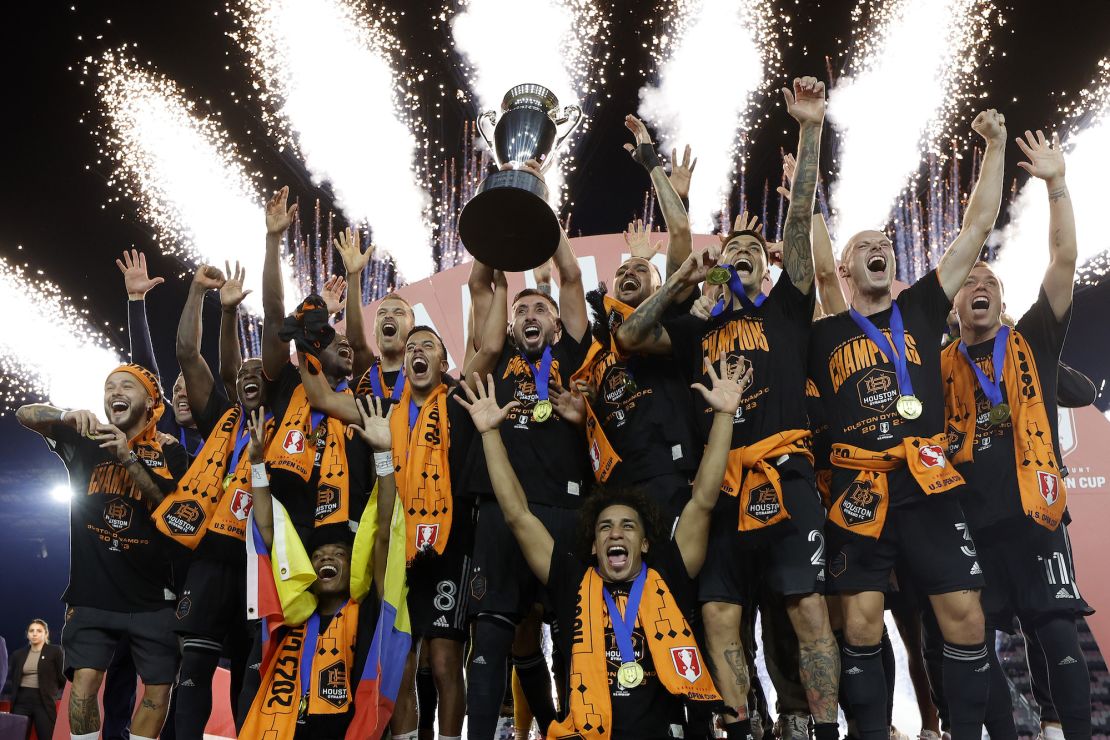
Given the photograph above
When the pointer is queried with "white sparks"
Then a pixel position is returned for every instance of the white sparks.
(913, 66)
(716, 56)
(560, 55)
(183, 170)
(1024, 241)
(48, 347)
(327, 69)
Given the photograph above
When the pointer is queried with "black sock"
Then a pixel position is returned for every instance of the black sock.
(863, 686)
(741, 729)
(487, 675)
(999, 719)
(426, 698)
(199, 658)
(890, 671)
(1068, 678)
(840, 698)
(828, 731)
(932, 645)
(967, 687)
(535, 682)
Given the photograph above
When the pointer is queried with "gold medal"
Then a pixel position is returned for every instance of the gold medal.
(999, 413)
(630, 675)
(718, 275)
(302, 710)
(909, 407)
(227, 480)
(542, 411)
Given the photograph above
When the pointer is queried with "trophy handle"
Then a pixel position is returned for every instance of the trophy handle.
(573, 114)
(490, 118)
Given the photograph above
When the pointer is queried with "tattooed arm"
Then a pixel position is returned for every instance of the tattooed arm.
(642, 332)
(807, 105)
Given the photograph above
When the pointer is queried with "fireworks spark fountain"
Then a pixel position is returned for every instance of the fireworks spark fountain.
(1023, 243)
(914, 71)
(53, 351)
(310, 55)
(566, 56)
(701, 35)
(182, 169)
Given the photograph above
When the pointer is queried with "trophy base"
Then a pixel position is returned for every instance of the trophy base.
(508, 224)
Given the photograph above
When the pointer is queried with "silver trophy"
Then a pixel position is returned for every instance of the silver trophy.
(508, 224)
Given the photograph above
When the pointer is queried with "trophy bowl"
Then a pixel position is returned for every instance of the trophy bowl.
(508, 224)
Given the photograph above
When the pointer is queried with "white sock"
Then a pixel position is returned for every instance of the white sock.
(449, 737)
(403, 736)
(86, 736)
(140, 737)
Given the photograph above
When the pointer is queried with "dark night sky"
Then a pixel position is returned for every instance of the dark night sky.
(58, 210)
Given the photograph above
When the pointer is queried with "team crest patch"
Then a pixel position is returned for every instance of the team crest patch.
(184, 607)
(687, 662)
(117, 514)
(478, 586)
(1050, 487)
(293, 442)
(327, 501)
(241, 504)
(932, 456)
(426, 536)
(333, 684)
(955, 439)
(860, 504)
(184, 518)
(763, 503)
(877, 390)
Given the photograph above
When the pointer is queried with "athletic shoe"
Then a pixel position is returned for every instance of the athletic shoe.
(927, 735)
(896, 734)
(792, 727)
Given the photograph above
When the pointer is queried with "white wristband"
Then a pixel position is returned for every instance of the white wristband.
(383, 464)
(259, 477)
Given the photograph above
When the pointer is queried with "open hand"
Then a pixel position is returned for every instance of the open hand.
(135, 278)
(278, 217)
(1046, 160)
(806, 104)
(747, 222)
(639, 132)
(373, 426)
(232, 293)
(728, 384)
(208, 278)
(482, 405)
(335, 288)
(256, 446)
(682, 172)
(991, 125)
(789, 164)
(350, 249)
(568, 404)
(638, 239)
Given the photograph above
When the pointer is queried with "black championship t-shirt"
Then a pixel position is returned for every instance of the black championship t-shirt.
(548, 457)
(992, 494)
(117, 558)
(772, 339)
(643, 404)
(859, 386)
(647, 711)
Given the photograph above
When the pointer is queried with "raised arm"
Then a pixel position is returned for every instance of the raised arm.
(320, 394)
(231, 353)
(572, 294)
(1046, 162)
(198, 376)
(643, 332)
(492, 341)
(535, 541)
(806, 104)
(138, 283)
(354, 263)
(275, 353)
(480, 286)
(373, 428)
(262, 503)
(830, 294)
(692, 532)
(982, 206)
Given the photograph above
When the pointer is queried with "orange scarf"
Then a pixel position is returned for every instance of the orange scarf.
(293, 449)
(678, 661)
(273, 714)
(862, 507)
(211, 498)
(603, 458)
(145, 444)
(423, 471)
(1043, 494)
(751, 475)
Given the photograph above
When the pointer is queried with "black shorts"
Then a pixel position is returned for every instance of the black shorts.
(213, 603)
(437, 583)
(501, 581)
(90, 636)
(1030, 575)
(791, 561)
(929, 537)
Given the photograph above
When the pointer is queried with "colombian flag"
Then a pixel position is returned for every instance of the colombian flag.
(381, 675)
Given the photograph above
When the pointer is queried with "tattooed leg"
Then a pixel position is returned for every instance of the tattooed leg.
(818, 654)
(84, 711)
(727, 662)
(150, 715)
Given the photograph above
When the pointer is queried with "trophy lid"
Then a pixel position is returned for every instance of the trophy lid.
(529, 93)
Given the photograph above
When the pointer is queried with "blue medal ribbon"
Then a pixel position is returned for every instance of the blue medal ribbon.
(377, 379)
(623, 623)
(896, 355)
(414, 414)
(542, 375)
(737, 289)
(308, 652)
(185, 444)
(992, 389)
